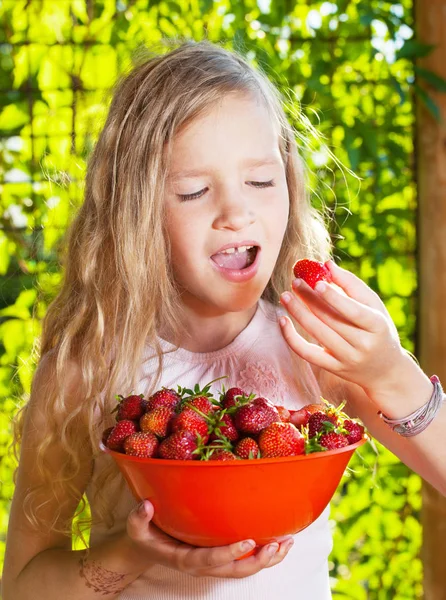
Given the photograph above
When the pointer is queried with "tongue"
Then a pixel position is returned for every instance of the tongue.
(236, 261)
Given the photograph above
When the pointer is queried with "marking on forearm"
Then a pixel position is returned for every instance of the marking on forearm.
(99, 579)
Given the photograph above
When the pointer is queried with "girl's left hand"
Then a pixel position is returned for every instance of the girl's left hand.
(356, 337)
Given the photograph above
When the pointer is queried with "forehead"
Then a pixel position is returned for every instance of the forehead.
(236, 127)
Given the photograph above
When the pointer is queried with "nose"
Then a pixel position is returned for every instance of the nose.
(235, 211)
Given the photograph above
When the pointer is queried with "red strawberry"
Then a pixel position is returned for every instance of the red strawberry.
(311, 271)
(225, 427)
(120, 433)
(247, 448)
(202, 403)
(255, 416)
(229, 399)
(164, 397)
(132, 407)
(190, 420)
(356, 431)
(106, 434)
(281, 439)
(157, 421)
(222, 454)
(284, 413)
(318, 420)
(333, 440)
(179, 446)
(143, 444)
(300, 418)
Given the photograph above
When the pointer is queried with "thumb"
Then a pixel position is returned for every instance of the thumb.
(139, 519)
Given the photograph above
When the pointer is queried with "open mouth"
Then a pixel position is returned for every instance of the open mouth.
(236, 259)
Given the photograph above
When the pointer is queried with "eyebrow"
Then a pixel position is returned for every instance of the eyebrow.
(250, 163)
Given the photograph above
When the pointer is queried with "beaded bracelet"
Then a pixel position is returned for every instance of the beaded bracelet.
(417, 421)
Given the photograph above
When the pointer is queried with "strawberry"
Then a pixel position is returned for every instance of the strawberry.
(255, 416)
(284, 413)
(189, 420)
(143, 444)
(281, 439)
(301, 417)
(247, 448)
(105, 435)
(225, 427)
(355, 431)
(321, 422)
(164, 397)
(157, 421)
(131, 407)
(333, 440)
(230, 397)
(179, 446)
(120, 433)
(222, 454)
(311, 271)
(202, 403)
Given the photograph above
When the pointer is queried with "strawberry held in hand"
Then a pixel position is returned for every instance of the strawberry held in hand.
(311, 271)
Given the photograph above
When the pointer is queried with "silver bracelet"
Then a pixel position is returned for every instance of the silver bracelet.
(417, 421)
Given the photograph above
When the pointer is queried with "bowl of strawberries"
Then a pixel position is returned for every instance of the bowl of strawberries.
(220, 470)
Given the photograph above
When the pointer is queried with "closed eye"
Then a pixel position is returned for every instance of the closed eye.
(262, 184)
(193, 196)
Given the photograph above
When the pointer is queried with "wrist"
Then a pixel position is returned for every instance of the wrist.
(404, 389)
(135, 559)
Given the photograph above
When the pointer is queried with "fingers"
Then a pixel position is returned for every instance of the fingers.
(353, 286)
(192, 559)
(268, 556)
(138, 521)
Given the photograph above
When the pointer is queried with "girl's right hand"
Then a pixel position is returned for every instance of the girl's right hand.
(158, 547)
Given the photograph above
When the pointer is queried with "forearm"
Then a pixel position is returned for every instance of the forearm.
(103, 571)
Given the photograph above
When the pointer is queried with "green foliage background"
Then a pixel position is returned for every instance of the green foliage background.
(349, 64)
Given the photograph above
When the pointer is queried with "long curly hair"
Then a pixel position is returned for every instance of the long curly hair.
(118, 286)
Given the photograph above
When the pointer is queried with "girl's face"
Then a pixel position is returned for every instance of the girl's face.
(227, 206)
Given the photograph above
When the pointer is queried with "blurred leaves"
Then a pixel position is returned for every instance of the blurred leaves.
(346, 69)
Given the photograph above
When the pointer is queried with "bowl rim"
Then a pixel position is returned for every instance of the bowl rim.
(234, 463)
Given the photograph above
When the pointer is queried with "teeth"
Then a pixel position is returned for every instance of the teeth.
(239, 249)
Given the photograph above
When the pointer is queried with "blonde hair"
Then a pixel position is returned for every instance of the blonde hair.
(118, 285)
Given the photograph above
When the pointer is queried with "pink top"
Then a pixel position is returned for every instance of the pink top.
(259, 360)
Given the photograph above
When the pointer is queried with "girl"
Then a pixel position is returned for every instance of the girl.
(194, 214)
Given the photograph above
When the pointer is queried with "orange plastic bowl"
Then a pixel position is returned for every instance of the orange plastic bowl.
(211, 503)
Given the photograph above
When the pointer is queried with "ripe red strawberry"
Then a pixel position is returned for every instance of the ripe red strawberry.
(281, 439)
(333, 440)
(284, 413)
(311, 271)
(189, 420)
(163, 397)
(356, 431)
(255, 416)
(229, 399)
(317, 421)
(143, 444)
(225, 427)
(301, 417)
(222, 454)
(132, 407)
(105, 435)
(247, 448)
(179, 446)
(202, 403)
(120, 433)
(157, 421)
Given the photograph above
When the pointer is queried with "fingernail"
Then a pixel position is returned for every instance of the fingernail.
(248, 545)
(297, 283)
(286, 297)
(142, 509)
(272, 549)
(289, 544)
(320, 287)
(282, 321)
